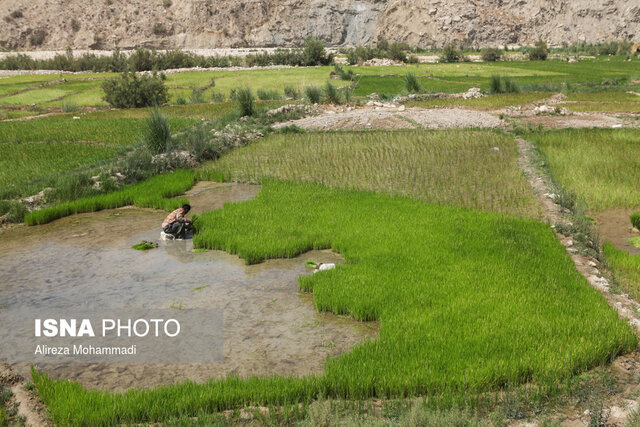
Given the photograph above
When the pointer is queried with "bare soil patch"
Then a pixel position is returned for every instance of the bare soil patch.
(396, 118)
(615, 227)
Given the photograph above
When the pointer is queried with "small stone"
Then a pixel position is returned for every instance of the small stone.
(592, 264)
(402, 108)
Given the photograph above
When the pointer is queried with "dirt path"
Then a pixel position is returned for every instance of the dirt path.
(30, 408)
(626, 368)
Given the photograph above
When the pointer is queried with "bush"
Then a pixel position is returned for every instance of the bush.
(499, 85)
(491, 54)
(314, 53)
(341, 73)
(396, 52)
(159, 29)
(75, 25)
(16, 14)
(244, 98)
(157, 137)
(37, 37)
(217, 97)
(167, 3)
(495, 85)
(451, 54)
(196, 96)
(268, 94)
(313, 94)
(291, 92)
(539, 52)
(332, 94)
(131, 91)
(411, 83)
(635, 220)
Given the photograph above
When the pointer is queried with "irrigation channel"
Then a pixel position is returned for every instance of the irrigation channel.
(86, 261)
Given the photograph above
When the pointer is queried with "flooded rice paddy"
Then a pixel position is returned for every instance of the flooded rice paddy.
(86, 261)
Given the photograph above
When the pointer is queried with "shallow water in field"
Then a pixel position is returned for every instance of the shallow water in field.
(86, 261)
(614, 226)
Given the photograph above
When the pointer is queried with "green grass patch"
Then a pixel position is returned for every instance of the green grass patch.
(66, 129)
(626, 268)
(635, 241)
(599, 165)
(635, 219)
(619, 96)
(395, 84)
(467, 302)
(490, 102)
(156, 192)
(24, 162)
(455, 167)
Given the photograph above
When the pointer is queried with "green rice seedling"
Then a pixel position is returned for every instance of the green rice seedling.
(635, 241)
(331, 93)
(635, 219)
(599, 165)
(157, 136)
(244, 99)
(452, 167)
(467, 302)
(411, 83)
(144, 246)
(157, 192)
(28, 161)
(313, 94)
(626, 268)
(491, 102)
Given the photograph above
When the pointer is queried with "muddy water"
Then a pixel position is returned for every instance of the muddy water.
(614, 227)
(86, 261)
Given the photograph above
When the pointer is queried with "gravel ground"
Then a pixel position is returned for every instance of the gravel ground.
(397, 118)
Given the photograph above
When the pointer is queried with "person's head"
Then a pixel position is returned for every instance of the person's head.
(186, 208)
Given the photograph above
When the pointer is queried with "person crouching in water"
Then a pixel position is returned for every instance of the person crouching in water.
(175, 224)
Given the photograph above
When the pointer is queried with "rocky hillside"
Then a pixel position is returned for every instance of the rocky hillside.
(108, 24)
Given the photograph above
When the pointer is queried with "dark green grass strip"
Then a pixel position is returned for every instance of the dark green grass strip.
(156, 192)
(467, 302)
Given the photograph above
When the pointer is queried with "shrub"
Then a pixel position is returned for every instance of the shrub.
(37, 37)
(16, 14)
(352, 57)
(331, 93)
(510, 86)
(217, 97)
(314, 53)
(411, 83)
(69, 107)
(491, 54)
(75, 25)
(157, 136)
(131, 91)
(539, 52)
(181, 100)
(450, 53)
(413, 59)
(196, 96)
(396, 52)
(268, 94)
(341, 73)
(159, 29)
(313, 94)
(500, 85)
(635, 219)
(167, 3)
(495, 85)
(291, 92)
(244, 98)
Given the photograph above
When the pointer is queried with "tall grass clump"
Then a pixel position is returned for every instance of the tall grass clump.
(313, 94)
(157, 137)
(331, 93)
(244, 100)
(467, 302)
(156, 192)
(291, 92)
(411, 83)
(491, 54)
(539, 52)
(498, 85)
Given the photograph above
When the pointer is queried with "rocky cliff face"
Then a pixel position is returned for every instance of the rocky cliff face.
(124, 24)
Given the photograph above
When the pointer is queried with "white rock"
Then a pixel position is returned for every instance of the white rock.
(495, 149)
(402, 108)
(76, 118)
(592, 264)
